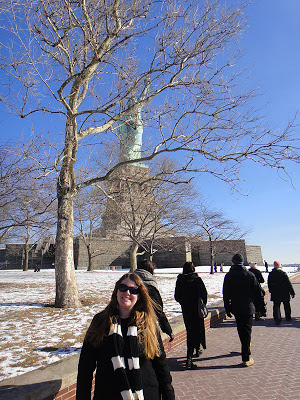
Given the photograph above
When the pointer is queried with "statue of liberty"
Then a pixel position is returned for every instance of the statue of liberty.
(130, 128)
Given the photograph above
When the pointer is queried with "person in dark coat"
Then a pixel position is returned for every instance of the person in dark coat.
(281, 291)
(189, 287)
(145, 271)
(260, 279)
(240, 292)
(124, 346)
(215, 267)
(256, 272)
(266, 266)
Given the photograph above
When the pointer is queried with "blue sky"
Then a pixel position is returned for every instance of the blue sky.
(270, 208)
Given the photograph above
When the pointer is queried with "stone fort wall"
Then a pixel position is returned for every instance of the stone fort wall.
(224, 250)
(171, 252)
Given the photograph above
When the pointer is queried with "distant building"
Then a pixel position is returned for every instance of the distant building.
(12, 256)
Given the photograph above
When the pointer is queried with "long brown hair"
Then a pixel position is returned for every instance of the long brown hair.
(142, 315)
(147, 265)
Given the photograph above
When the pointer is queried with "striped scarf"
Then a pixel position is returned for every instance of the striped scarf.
(125, 360)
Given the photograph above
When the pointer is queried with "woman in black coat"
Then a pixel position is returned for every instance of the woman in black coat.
(189, 287)
(124, 346)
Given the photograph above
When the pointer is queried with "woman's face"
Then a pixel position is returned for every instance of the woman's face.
(127, 299)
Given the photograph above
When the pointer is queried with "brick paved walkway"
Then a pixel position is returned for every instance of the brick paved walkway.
(275, 350)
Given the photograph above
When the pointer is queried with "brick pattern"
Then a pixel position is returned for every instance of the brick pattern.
(67, 393)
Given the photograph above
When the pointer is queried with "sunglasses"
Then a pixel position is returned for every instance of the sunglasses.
(132, 289)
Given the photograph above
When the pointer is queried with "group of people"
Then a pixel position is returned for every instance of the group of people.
(244, 297)
(123, 345)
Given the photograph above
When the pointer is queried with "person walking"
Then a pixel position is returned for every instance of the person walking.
(281, 291)
(189, 287)
(256, 272)
(240, 292)
(215, 267)
(145, 271)
(266, 266)
(260, 279)
(123, 344)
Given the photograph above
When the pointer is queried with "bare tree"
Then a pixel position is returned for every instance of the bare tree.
(213, 225)
(147, 205)
(11, 173)
(27, 200)
(83, 60)
(130, 208)
(89, 208)
(38, 215)
(172, 216)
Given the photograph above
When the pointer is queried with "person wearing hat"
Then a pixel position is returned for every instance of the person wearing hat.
(241, 291)
(253, 268)
(281, 291)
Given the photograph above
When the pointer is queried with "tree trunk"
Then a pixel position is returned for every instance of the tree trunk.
(90, 265)
(26, 257)
(151, 251)
(211, 257)
(66, 285)
(133, 255)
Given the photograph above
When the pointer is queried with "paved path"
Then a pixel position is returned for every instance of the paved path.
(275, 350)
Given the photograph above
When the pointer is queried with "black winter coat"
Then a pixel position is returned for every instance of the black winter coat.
(151, 285)
(155, 375)
(241, 291)
(257, 274)
(280, 286)
(188, 288)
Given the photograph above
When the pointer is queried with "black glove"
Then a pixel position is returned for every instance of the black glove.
(171, 337)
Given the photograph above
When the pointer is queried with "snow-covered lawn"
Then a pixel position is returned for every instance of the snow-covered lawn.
(34, 333)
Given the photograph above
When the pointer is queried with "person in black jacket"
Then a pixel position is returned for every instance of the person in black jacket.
(266, 266)
(281, 290)
(145, 271)
(189, 287)
(260, 279)
(256, 272)
(123, 344)
(240, 292)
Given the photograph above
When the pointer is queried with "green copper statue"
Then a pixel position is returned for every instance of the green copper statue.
(130, 128)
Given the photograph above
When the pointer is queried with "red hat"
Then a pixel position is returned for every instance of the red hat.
(276, 264)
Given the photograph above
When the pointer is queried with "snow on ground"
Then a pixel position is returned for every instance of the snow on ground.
(34, 333)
